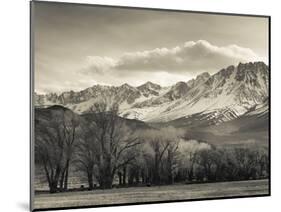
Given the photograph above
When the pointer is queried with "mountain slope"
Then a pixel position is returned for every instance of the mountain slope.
(230, 93)
(56, 115)
(213, 99)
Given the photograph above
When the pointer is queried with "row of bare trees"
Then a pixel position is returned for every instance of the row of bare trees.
(54, 146)
(106, 151)
(214, 164)
(98, 144)
(106, 146)
(178, 161)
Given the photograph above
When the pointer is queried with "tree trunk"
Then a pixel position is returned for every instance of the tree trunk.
(190, 174)
(66, 175)
(62, 181)
(142, 176)
(156, 175)
(120, 178)
(131, 177)
(124, 174)
(137, 177)
(54, 180)
(90, 180)
(107, 183)
(107, 177)
(53, 187)
(170, 168)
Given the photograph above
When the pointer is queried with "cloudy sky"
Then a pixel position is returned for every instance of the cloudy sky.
(78, 46)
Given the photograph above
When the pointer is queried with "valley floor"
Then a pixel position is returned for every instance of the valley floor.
(151, 194)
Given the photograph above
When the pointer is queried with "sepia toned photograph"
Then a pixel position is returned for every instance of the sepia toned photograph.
(138, 106)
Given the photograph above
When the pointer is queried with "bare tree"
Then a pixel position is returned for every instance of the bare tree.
(113, 139)
(69, 125)
(162, 144)
(159, 148)
(86, 156)
(219, 160)
(54, 143)
(190, 166)
(206, 160)
(172, 163)
(262, 162)
(245, 160)
(49, 153)
(189, 155)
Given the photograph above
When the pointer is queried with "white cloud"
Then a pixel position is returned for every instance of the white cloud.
(192, 57)
(100, 64)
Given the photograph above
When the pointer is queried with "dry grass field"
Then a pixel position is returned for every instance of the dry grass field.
(151, 194)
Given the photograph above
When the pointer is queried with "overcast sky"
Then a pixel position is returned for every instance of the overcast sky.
(78, 46)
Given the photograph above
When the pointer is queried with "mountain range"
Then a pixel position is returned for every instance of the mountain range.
(232, 92)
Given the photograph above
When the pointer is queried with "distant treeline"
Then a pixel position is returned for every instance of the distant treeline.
(103, 147)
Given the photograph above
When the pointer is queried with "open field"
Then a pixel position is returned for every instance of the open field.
(151, 194)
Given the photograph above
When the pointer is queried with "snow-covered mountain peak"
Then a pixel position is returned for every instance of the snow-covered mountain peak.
(203, 76)
(127, 86)
(150, 85)
(177, 91)
(229, 93)
(200, 79)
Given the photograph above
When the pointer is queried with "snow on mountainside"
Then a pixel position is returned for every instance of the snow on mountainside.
(81, 102)
(220, 97)
(259, 110)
